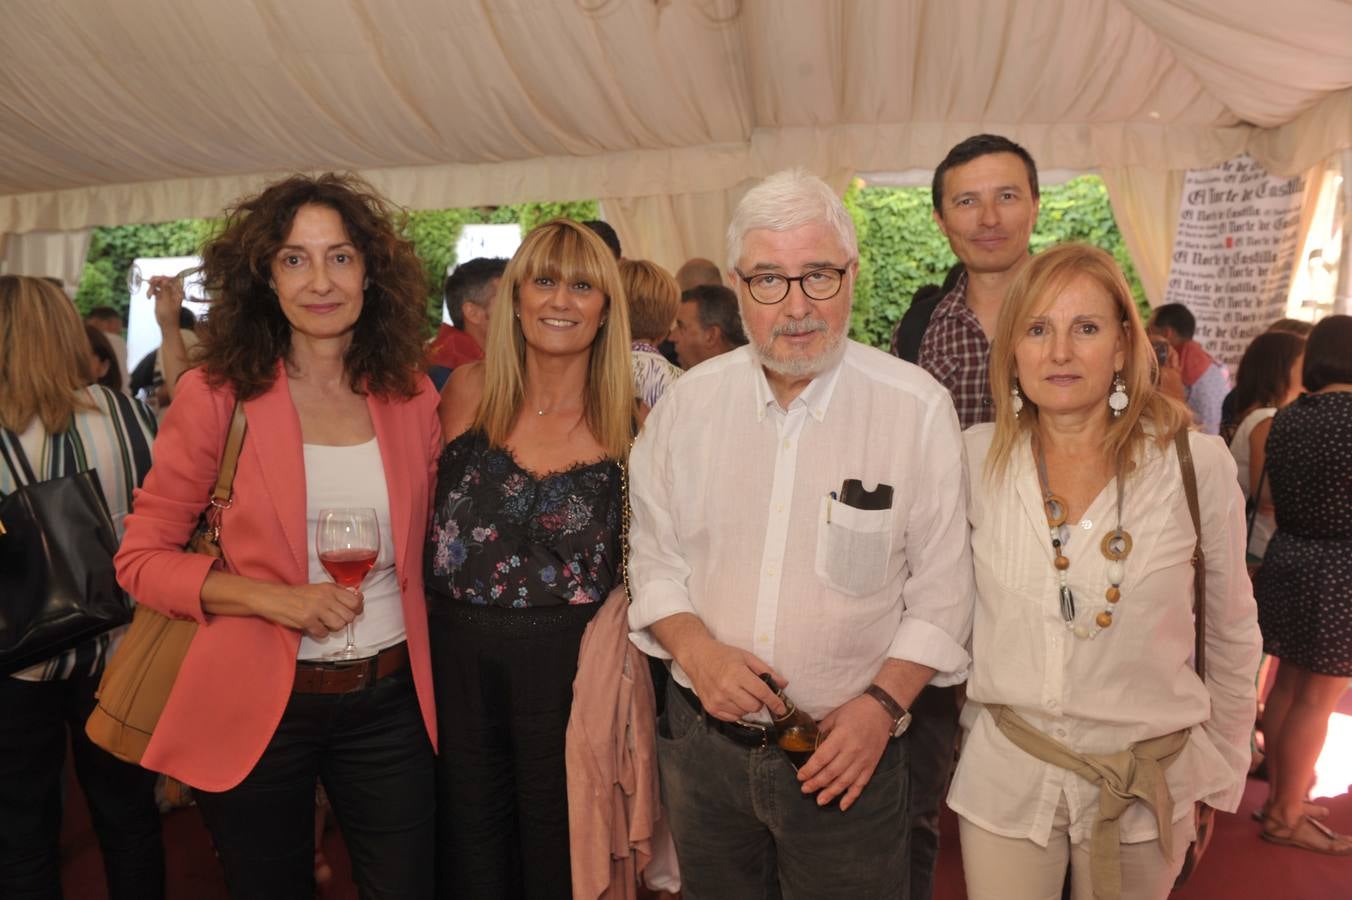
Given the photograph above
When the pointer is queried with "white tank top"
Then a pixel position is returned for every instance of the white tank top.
(1264, 525)
(345, 477)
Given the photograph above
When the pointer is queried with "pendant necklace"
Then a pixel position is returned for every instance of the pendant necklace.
(1116, 546)
(556, 408)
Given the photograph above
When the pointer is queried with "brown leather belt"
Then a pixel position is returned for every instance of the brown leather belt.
(341, 677)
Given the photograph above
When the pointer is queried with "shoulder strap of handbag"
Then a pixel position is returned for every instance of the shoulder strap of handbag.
(234, 440)
(1198, 556)
(17, 461)
(64, 453)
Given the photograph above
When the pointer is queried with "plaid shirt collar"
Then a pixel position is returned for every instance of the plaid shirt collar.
(954, 304)
(956, 352)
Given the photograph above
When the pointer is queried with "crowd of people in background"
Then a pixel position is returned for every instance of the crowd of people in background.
(1000, 536)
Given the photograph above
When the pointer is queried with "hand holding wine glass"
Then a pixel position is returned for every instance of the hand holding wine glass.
(348, 542)
(168, 293)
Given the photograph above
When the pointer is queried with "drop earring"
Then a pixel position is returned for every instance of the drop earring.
(1016, 399)
(1118, 399)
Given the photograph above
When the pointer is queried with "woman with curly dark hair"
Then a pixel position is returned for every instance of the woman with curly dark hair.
(315, 329)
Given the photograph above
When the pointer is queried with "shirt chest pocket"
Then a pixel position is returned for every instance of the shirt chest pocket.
(944, 369)
(853, 547)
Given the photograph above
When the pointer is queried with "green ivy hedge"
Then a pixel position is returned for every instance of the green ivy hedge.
(900, 249)
(112, 251)
(434, 234)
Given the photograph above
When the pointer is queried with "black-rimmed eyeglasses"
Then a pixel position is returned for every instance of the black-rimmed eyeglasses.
(769, 288)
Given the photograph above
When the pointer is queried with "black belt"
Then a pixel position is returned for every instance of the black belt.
(315, 676)
(748, 734)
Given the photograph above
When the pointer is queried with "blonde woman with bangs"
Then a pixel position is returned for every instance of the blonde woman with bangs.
(524, 547)
(1082, 687)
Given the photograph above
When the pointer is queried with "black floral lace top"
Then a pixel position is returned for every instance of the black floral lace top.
(503, 536)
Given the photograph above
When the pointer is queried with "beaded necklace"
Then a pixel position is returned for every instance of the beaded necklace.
(1116, 546)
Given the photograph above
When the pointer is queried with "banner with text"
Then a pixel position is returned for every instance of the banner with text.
(1234, 251)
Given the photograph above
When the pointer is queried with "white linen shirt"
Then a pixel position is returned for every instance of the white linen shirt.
(733, 521)
(1135, 679)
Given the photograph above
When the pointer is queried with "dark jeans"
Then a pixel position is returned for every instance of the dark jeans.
(744, 829)
(35, 719)
(504, 686)
(370, 749)
(933, 736)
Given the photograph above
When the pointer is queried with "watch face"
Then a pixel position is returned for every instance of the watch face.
(902, 724)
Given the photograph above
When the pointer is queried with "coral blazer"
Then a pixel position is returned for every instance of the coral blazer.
(237, 676)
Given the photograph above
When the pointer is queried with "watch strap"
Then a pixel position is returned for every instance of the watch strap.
(900, 715)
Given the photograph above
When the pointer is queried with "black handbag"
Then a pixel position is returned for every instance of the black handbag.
(58, 588)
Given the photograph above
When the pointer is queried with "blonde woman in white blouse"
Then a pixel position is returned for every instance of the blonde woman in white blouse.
(1084, 632)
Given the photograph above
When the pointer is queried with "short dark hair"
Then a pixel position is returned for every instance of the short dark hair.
(105, 314)
(1298, 327)
(1175, 316)
(979, 145)
(717, 306)
(1326, 358)
(467, 283)
(1264, 374)
(98, 342)
(246, 332)
(607, 234)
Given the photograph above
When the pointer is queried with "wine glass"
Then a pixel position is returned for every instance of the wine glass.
(348, 542)
(136, 279)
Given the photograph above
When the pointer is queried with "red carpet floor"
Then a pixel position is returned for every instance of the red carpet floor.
(1239, 866)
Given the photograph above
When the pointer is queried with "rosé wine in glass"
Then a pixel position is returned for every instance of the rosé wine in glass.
(348, 542)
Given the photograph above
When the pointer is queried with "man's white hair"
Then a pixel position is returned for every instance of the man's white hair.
(788, 200)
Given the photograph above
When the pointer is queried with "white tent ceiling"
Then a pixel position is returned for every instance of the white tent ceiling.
(143, 110)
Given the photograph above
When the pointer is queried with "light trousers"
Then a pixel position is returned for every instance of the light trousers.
(1004, 868)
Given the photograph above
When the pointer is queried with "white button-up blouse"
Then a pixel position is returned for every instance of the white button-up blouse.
(1135, 679)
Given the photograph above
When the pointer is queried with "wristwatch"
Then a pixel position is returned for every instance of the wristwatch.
(901, 717)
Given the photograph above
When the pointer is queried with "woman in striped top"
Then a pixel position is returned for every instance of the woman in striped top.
(63, 424)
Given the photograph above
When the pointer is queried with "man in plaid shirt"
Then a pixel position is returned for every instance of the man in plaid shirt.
(986, 203)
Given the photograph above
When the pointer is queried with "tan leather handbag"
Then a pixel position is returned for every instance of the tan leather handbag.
(1204, 816)
(141, 673)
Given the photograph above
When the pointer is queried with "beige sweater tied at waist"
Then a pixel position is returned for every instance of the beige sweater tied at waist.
(1136, 773)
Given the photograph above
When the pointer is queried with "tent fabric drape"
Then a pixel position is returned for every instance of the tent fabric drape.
(672, 228)
(1264, 63)
(1314, 188)
(188, 104)
(1145, 205)
(153, 110)
(58, 254)
(1314, 135)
